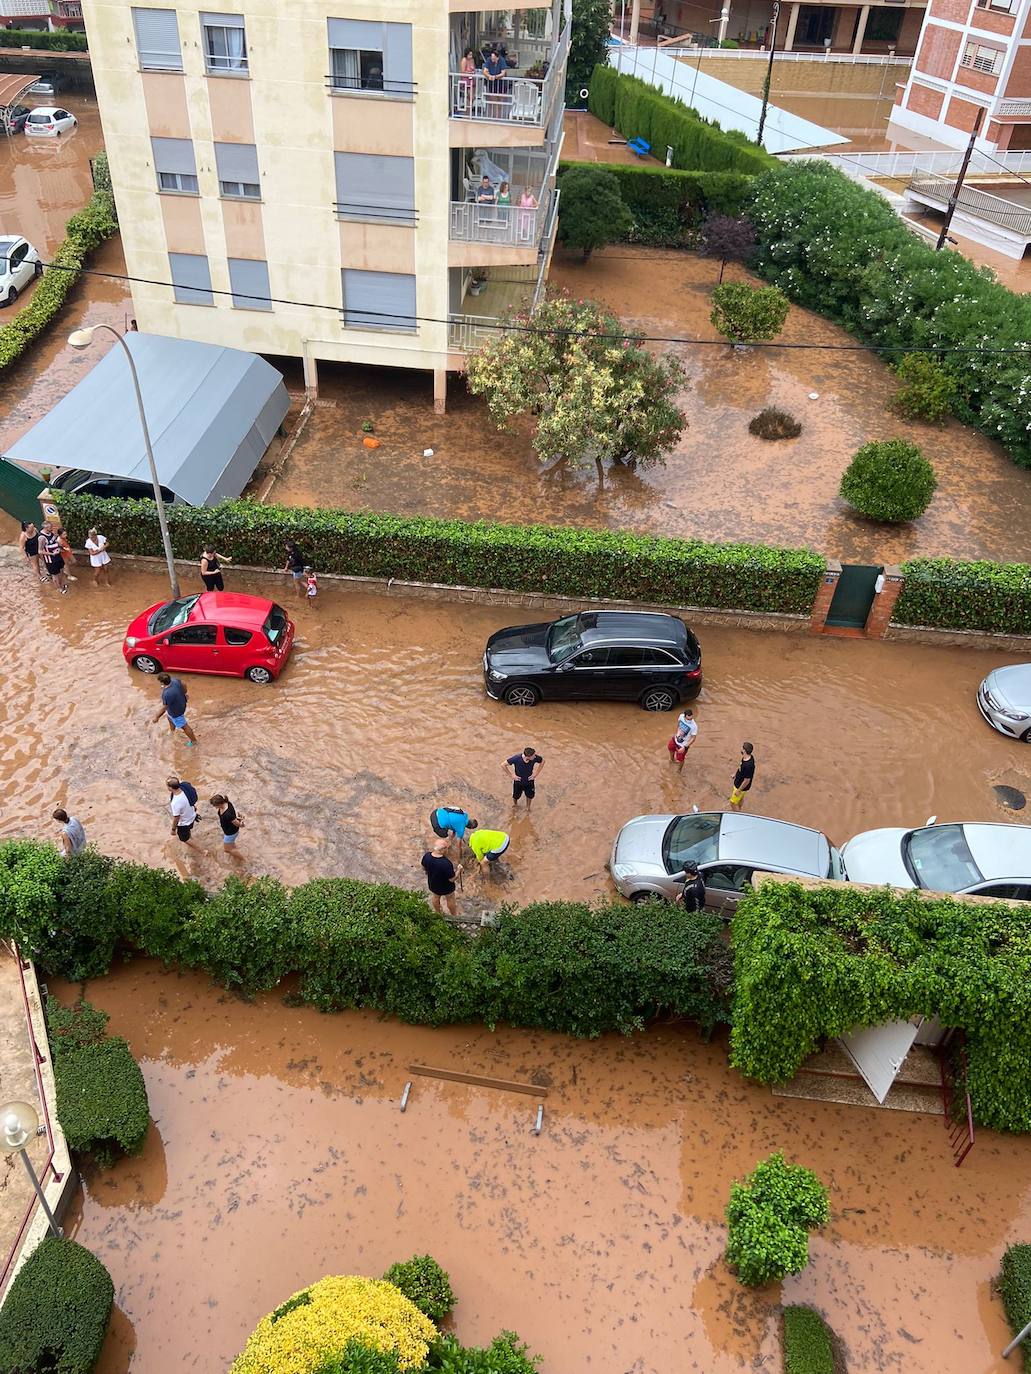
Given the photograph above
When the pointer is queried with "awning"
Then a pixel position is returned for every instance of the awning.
(11, 90)
(212, 413)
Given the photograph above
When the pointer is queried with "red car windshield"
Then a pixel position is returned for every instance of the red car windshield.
(171, 614)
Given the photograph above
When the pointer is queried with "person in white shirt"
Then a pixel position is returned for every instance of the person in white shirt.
(184, 813)
(96, 547)
(687, 729)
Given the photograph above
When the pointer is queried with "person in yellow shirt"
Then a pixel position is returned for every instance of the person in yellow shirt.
(487, 846)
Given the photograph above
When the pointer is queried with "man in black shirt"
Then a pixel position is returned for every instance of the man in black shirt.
(743, 777)
(524, 769)
(440, 877)
(693, 895)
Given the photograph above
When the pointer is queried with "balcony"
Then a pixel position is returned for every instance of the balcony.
(509, 226)
(523, 95)
(515, 229)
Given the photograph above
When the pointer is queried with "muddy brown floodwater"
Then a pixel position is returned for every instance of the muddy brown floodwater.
(278, 1155)
(720, 483)
(381, 715)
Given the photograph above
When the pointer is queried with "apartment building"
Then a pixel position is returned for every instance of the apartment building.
(325, 179)
(41, 14)
(973, 55)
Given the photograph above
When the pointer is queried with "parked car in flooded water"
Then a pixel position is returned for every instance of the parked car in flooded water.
(19, 114)
(985, 859)
(49, 121)
(19, 264)
(228, 633)
(1004, 699)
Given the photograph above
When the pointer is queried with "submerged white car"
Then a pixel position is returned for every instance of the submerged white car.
(49, 121)
(986, 859)
(19, 264)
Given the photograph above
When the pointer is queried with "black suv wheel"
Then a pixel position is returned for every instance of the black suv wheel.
(521, 694)
(659, 699)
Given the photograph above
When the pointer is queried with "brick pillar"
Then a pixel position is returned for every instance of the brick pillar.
(824, 596)
(439, 390)
(883, 607)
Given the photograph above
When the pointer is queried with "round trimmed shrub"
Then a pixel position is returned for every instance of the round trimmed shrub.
(772, 423)
(424, 1282)
(56, 1312)
(889, 480)
(315, 1327)
(769, 1217)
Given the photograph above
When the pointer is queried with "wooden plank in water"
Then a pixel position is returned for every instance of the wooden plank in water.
(504, 1085)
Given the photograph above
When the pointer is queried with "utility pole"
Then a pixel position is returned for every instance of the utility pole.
(954, 198)
(769, 73)
(635, 20)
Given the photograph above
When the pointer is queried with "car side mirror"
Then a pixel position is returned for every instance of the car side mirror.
(565, 667)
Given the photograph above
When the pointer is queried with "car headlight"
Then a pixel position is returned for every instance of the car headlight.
(495, 676)
(1012, 715)
(131, 641)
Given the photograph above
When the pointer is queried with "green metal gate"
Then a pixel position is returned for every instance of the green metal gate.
(19, 492)
(853, 596)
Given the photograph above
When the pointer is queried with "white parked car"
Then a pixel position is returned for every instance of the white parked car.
(49, 121)
(1004, 699)
(985, 859)
(19, 263)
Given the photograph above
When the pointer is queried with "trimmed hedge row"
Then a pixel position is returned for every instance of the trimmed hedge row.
(101, 1096)
(808, 1342)
(839, 249)
(550, 559)
(813, 962)
(638, 110)
(1015, 1291)
(562, 966)
(61, 40)
(56, 1313)
(665, 202)
(85, 231)
(950, 595)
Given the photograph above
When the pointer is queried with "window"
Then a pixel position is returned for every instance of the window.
(982, 59)
(563, 638)
(378, 300)
(938, 857)
(237, 637)
(883, 25)
(225, 44)
(172, 613)
(194, 634)
(238, 175)
(629, 658)
(727, 878)
(375, 187)
(365, 55)
(1001, 6)
(249, 279)
(694, 837)
(591, 658)
(175, 164)
(157, 40)
(1013, 892)
(191, 278)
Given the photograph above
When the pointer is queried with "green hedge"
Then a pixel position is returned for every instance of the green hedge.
(56, 1313)
(551, 559)
(808, 1342)
(638, 110)
(666, 203)
(101, 1096)
(558, 965)
(950, 595)
(86, 229)
(839, 249)
(1015, 1291)
(61, 40)
(810, 963)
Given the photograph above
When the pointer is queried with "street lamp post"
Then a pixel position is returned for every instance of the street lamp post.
(82, 338)
(19, 1124)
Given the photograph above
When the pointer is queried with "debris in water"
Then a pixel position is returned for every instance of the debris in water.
(1010, 796)
(814, 395)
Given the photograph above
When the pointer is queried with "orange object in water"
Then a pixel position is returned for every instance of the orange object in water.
(370, 441)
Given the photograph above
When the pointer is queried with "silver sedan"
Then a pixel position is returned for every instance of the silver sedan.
(650, 852)
(1004, 699)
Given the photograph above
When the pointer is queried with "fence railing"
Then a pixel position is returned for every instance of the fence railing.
(904, 164)
(981, 204)
(763, 55)
(509, 98)
(518, 226)
(959, 1113)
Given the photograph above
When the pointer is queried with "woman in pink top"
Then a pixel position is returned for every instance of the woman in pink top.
(527, 202)
(468, 67)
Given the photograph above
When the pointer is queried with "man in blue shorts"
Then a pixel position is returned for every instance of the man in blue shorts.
(524, 770)
(173, 705)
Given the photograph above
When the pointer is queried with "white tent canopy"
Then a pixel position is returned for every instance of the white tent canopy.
(212, 412)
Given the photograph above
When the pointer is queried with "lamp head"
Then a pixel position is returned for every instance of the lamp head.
(81, 338)
(18, 1124)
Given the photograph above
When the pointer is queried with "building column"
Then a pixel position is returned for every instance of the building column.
(789, 37)
(824, 596)
(311, 374)
(857, 46)
(635, 20)
(439, 390)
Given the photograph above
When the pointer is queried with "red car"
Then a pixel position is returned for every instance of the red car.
(213, 632)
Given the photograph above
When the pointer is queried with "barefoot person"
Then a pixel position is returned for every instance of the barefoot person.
(230, 820)
(173, 705)
(211, 569)
(440, 877)
(183, 808)
(67, 552)
(488, 846)
(96, 547)
(743, 777)
(28, 542)
(73, 837)
(687, 730)
(311, 586)
(50, 544)
(524, 769)
(295, 566)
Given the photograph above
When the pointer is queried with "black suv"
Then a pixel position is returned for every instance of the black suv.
(595, 656)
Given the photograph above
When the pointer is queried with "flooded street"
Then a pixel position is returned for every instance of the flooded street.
(720, 483)
(381, 715)
(599, 1241)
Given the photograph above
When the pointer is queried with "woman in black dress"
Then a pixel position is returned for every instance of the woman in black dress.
(29, 542)
(211, 569)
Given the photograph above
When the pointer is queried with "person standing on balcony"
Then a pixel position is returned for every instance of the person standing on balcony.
(465, 86)
(504, 194)
(495, 72)
(527, 206)
(485, 192)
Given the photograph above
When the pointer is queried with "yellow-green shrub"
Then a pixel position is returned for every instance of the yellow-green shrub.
(318, 1322)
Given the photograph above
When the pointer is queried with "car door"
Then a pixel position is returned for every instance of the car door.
(582, 677)
(191, 649)
(628, 672)
(241, 649)
(64, 120)
(725, 885)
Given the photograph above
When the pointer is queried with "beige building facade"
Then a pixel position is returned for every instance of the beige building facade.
(333, 180)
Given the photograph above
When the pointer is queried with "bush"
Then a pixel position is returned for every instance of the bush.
(949, 595)
(591, 210)
(837, 248)
(1015, 1291)
(927, 392)
(665, 203)
(506, 1354)
(101, 1096)
(336, 1313)
(242, 936)
(569, 562)
(638, 110)
(748, 314)
(424, 1282)
(56, 1312)
(360, 1359)
(769, 1218)
(889, 480)
(772, 423)
(61, 40)
(808, 1342)
(810, 963)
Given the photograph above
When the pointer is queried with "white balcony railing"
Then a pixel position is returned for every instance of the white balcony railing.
(514, 226)
(511, 98)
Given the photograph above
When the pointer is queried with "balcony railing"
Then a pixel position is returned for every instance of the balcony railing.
(980, 204)
(515, 226)
(511, 98)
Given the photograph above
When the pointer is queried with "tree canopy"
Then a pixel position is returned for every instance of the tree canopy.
(591, 210)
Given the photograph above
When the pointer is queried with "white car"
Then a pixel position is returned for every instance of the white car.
(49, 121)
(19, 263)
(985, 859)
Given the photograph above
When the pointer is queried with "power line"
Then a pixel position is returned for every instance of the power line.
(503, 327)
